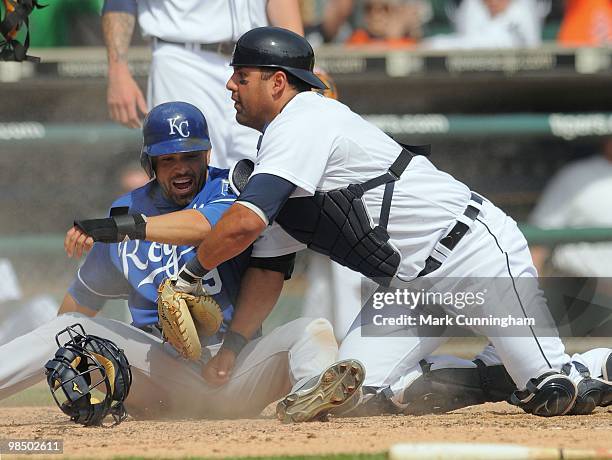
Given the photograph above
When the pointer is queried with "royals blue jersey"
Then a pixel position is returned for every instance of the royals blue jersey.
(133, 270)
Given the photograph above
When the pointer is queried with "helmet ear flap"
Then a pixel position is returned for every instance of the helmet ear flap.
(147, 164)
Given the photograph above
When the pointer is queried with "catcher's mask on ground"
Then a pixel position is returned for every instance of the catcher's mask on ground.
(93, 375)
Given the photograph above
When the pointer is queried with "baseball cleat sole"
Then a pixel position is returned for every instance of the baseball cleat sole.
(335, 386)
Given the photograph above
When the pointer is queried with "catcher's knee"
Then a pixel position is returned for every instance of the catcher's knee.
(547, 396)
(447, 389)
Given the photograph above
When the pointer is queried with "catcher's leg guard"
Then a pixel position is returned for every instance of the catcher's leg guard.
(332, 391)
(447, 389)
(549, 395)
(592, 392)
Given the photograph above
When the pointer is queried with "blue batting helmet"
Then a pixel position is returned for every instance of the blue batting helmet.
(172, 127)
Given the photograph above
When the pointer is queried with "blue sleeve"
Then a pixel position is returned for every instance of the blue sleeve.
(125, 6)
(268, 192)
(98, 280)
(214, 199)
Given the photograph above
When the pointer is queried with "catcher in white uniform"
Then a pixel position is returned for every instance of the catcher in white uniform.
(342, 187)
(192, 41)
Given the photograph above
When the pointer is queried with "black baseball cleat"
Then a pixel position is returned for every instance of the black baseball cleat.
(330, 391)
(592, 393)
(549, 395)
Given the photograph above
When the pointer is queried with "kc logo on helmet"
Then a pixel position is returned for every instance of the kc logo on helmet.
(178, 126)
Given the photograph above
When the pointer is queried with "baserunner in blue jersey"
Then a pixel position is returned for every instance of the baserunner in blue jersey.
(176, 150)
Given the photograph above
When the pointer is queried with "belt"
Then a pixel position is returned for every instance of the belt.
(443, 248)
(225, 48)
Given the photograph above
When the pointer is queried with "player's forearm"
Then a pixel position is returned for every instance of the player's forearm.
(236, 231)
(117, 28)
(285, 14)
(186, 227)
(259, 292)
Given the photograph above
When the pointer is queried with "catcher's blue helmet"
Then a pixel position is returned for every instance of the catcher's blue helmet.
(172, 127)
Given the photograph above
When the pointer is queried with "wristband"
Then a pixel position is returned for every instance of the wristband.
(234, 341)
(193, 270)
(115, 229)
(131, 226)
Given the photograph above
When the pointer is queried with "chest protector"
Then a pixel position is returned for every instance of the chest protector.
(337, 223)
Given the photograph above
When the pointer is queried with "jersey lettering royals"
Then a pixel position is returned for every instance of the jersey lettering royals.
(132, 270)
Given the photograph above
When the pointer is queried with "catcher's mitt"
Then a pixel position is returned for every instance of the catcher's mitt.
(184, 316)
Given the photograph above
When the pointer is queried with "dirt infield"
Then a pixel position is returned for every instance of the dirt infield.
(265, 436)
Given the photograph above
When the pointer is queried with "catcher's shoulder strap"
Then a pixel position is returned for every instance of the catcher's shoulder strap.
(388, 179)
(17, 13)
(337, 224)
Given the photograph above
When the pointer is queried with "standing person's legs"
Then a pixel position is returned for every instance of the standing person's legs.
(199, 77)
(346, 285)
(333, 293)
(319, 297)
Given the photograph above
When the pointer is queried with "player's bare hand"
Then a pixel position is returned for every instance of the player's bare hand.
(77, 242)
(126, 103)
(218, 370)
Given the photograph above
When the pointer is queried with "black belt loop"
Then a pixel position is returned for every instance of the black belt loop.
(455, 234)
